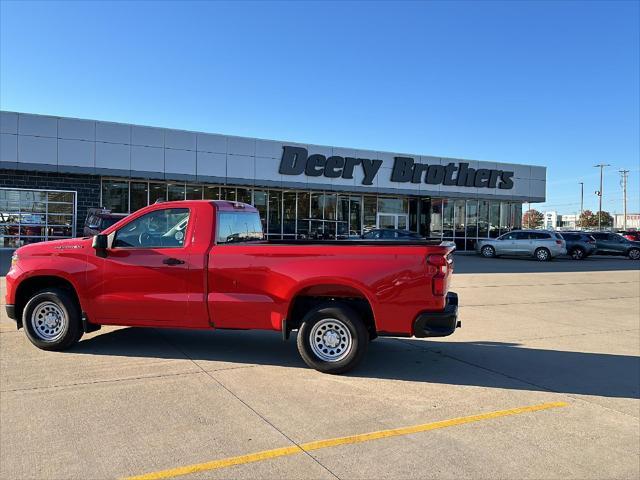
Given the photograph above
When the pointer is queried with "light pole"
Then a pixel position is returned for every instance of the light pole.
(581, 197)
(601, 166)
(624, 174)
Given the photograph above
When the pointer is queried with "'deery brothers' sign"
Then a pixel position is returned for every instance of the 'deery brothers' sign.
(296, 161)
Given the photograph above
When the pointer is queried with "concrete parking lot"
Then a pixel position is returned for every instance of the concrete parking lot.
(562, 338)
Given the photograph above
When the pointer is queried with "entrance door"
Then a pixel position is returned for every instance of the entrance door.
(393, 220)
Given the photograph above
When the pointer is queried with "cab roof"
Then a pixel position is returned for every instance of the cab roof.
(220, 205)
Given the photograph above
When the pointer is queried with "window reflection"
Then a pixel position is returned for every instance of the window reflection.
(30, 216)
(300, 214)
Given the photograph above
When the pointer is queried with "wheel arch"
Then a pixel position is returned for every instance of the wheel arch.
(29, 286)
(312, 294)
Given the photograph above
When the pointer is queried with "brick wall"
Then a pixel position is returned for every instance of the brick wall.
(86, 186)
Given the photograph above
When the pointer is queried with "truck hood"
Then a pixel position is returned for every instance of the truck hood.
(54, 246)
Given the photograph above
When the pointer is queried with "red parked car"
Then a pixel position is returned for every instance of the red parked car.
(632, 235)
(205, 264)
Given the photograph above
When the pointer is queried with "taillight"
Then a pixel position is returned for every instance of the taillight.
(441, 265)
(559, 242)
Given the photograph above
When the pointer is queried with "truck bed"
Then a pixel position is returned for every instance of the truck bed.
(373, 243)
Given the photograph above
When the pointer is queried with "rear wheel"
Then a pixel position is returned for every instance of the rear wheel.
(332, 338)
(488, 251)
(542, 255)
(634, 254)
(577, 253)
(51, 320)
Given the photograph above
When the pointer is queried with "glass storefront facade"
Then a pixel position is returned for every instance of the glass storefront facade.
(32, 215)
(333, 215)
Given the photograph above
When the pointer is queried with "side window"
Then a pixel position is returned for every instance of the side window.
(239, 227)
(388, 234)
(540, 236)
(158, 229)
(521, 236)
(508, 236)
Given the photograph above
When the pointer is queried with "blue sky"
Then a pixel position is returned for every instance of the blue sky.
(546, 83)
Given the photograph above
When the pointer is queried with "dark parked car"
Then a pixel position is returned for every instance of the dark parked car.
(391, 234)
(579, 244)
(608, 243)
(98, 219)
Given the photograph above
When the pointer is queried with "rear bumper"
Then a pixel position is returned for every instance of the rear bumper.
(438, 324)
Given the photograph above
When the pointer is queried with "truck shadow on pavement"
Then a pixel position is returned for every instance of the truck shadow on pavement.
(484, 364)
(469, 263)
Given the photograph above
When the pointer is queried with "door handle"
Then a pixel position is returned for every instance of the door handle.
(172, 261)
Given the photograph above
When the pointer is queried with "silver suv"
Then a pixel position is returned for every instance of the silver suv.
(539, 244)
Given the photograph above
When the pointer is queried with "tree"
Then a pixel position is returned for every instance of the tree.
(532, 219)
(588, 219)
(607, 220)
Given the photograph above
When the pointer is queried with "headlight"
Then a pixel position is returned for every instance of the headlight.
(14, 258)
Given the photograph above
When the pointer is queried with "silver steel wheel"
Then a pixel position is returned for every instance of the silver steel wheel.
(487, 251)
(330, 340)
(542, 255)
(634, 254)
(48, 321)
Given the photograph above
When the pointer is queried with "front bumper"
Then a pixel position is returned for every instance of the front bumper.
(11, 311)
(438, 324)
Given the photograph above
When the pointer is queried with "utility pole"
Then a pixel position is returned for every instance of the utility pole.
(599, 193)
(623, 180)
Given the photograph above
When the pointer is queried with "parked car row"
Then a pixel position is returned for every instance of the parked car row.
(545, 245)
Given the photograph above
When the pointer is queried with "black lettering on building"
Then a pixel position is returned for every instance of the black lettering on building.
(296, 161)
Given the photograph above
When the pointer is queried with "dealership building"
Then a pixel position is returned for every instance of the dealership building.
(52, 169)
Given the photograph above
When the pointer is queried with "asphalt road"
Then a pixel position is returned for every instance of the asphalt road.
(128, 402)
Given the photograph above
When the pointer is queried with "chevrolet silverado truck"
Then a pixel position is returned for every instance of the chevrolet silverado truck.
(207, 265)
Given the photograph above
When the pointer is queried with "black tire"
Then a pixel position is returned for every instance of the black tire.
(542, 254)
(343, 322)
(578, 253)
(634, 254)
(59, 304)
(488, 251)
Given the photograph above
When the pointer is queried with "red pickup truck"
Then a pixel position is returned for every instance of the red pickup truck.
(206, 264)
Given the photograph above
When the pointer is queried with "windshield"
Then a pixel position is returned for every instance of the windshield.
(239, 227)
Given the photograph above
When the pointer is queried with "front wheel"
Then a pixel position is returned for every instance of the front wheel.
(332, 338)
(51, 320)
(488, 251)
(634, 254)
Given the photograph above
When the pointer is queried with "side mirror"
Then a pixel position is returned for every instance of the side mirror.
(100, 244)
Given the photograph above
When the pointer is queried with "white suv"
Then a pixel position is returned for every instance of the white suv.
(539, 244)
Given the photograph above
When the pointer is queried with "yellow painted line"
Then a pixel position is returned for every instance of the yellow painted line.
(334, 442)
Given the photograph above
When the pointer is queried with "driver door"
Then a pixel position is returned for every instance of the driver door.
(144, 276)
